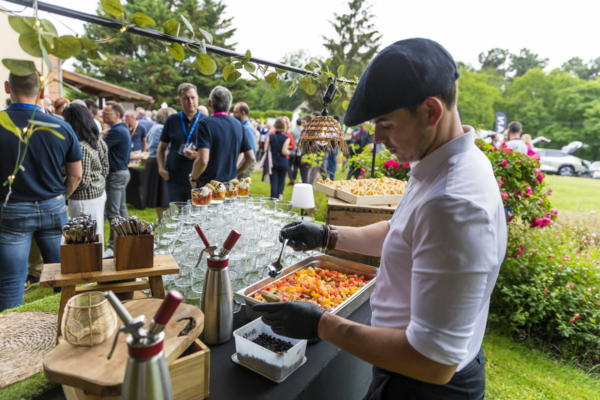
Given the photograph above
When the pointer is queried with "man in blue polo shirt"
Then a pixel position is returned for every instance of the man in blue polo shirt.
(221, 139)
(119, 146)
(34, 204)
(240, 112)
(137, 131)
(180, 132)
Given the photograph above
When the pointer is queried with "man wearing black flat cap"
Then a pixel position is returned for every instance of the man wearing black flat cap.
(434, 283)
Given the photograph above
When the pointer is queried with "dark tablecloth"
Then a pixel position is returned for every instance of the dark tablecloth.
(136, 188)
(328, 373)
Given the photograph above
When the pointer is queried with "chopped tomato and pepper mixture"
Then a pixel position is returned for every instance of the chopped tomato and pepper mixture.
(325, 288)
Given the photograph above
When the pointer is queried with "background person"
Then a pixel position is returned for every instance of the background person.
(221, 139)
(93, 107)
(240, 112)
(144, 119)
(156, 187)
(362, 138)
(278, 145)
(514, 138)
(59, 104)
(295, 155)
(181, 132)
(529, 143)
(118, 142)
(36, 206)
(137, 131)
(90, 196)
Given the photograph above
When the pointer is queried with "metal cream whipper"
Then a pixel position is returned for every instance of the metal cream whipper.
(147, 374)
(217, 293)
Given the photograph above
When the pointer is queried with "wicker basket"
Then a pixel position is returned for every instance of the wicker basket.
(88, 320)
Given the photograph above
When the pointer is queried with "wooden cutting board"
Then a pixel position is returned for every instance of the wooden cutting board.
(88, 368)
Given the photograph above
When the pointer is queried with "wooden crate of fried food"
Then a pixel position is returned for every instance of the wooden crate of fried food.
(368, 191)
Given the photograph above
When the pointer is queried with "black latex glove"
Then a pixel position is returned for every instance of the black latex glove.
(296, 319)
(304, 235)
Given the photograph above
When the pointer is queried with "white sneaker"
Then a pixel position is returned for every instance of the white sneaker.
(109, 253)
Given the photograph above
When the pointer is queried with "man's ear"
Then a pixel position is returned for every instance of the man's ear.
(6, 87)
(435, 110)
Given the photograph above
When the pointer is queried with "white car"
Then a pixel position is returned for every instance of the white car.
(558, 162)
(595, 170)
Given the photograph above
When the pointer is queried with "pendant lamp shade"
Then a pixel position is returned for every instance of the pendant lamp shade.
(321, 135)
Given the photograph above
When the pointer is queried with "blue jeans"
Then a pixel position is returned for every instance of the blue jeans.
(179, 192)
(18, 223)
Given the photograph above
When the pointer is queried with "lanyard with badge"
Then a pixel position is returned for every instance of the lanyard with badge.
(187, 144)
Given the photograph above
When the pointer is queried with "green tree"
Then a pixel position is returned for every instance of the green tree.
(477, 94)
(580, 69)
(143, 65)
(495, 59)
(357, 42)
(526, 60)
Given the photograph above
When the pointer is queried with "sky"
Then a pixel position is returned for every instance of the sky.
(271, 29)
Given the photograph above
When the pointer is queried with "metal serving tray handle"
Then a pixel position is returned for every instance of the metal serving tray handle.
(326, 262)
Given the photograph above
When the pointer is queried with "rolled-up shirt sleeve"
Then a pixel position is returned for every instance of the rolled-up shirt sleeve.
(453, 255)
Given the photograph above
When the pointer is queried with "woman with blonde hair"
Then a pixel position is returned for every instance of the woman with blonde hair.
(526, 138)
(278, 149)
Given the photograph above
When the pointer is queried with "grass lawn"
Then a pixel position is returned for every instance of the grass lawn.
(513, 371)
(574, 194)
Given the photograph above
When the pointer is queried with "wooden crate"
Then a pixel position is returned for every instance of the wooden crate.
(368, 200)
(190, 377)
(134, 252)
(340, 213)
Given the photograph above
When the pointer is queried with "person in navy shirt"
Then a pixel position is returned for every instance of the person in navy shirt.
(137, 131)
(240, 112)
(180, 132)
(143, 119)
(34, 204)
(221, 139)
(119, 147)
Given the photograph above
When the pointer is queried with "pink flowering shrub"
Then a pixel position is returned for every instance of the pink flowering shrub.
(521, 186)
(549, 287)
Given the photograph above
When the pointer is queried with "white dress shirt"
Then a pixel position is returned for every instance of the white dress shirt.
(441, 257)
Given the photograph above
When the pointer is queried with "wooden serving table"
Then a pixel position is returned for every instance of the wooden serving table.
(52, 277)
(344, 214)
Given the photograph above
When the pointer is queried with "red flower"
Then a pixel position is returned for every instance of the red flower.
(504, 195)
(546, 291)
(504, 163)
(406, 165)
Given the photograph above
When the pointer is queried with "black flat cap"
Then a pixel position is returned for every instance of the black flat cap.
(401, 75)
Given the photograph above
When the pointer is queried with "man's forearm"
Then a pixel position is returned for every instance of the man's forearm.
(161, 155)
(386, 348)
(367, 240)
(198, 168)
(245, 165)
(71, 183)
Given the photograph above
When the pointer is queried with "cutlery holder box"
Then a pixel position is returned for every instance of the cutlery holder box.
(134, 252)
(82, 257)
